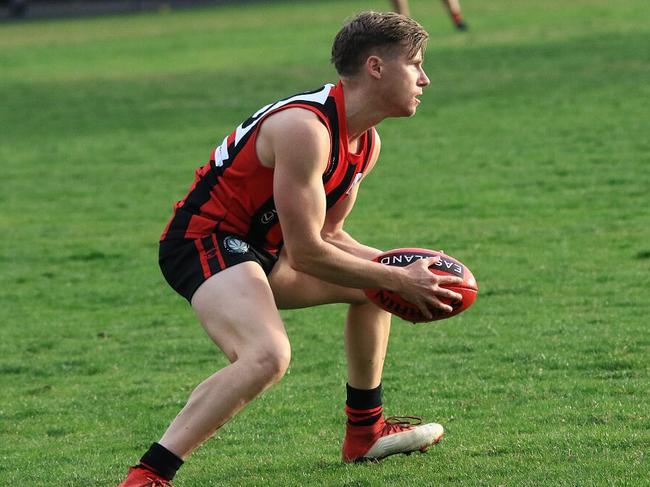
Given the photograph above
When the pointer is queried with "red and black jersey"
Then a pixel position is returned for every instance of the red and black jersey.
(233, 192)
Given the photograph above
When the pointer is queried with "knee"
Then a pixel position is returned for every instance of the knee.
(270, 362)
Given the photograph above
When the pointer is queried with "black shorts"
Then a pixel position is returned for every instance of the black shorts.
(188, 263)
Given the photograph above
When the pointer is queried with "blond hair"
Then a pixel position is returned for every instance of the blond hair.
(370, 31)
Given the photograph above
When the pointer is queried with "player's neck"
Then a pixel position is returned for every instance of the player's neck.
(361, 111)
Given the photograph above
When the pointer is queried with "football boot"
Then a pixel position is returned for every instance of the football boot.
(396, 434)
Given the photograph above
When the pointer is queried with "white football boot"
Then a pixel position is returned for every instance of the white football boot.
(389, 436)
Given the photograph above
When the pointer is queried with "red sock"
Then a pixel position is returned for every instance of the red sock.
(363, 417)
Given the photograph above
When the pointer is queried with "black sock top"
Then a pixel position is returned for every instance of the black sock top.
(362, 398)
(162, 461)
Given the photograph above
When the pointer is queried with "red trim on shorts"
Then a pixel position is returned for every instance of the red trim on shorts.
(203, 258)
(222, 264)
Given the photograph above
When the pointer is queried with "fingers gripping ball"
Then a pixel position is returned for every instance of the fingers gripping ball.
(446, 265)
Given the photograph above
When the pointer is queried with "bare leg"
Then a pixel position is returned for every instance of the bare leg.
(366, 330)
(401, 7)
(453, 7)
(366, 340)
(237, 310)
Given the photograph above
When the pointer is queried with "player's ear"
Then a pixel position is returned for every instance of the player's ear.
(374, 66)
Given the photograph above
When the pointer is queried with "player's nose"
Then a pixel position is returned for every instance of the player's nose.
(423, 79)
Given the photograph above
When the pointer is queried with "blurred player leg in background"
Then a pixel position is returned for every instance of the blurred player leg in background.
(452, 6)
(401, 7)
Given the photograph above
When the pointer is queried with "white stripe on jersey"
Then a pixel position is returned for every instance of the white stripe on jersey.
(221, 152)
(319, 97)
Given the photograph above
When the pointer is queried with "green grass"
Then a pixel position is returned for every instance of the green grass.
(529, 161)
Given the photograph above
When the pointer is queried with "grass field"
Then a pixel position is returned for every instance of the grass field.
(529, 160)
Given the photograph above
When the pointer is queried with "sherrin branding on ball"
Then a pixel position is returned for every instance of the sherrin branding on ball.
(446, 265)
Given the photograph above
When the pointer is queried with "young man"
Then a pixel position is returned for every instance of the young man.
(261, 229)
(452, 6)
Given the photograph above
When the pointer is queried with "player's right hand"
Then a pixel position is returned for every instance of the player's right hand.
(425, 289)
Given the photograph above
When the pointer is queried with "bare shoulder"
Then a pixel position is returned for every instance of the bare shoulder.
(292, 132)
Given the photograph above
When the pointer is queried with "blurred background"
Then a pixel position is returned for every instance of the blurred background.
(34, 9)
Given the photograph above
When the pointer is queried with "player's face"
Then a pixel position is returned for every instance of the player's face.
(404, 81)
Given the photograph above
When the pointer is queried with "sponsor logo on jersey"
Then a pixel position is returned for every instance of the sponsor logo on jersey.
(268, 217)
(235, 246)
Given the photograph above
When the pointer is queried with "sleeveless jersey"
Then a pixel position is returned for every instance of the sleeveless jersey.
(233, 192)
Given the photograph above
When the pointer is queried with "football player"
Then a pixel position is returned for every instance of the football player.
(262, 229)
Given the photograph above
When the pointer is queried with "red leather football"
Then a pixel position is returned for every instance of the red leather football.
(393, 302)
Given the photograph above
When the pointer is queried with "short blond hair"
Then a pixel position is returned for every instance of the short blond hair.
(375, 30)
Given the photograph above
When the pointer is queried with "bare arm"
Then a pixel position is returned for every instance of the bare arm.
(333, 231)
(300, 146)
